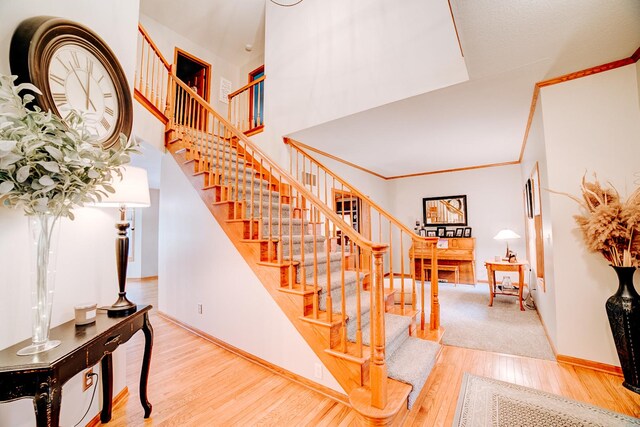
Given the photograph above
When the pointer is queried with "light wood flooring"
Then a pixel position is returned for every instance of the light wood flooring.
(195, 383)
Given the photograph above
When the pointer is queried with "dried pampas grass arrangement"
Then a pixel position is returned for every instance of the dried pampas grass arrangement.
(610, 225)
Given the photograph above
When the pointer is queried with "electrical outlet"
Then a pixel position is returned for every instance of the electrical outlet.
(199, 308)
(87, 379)
(318, 371)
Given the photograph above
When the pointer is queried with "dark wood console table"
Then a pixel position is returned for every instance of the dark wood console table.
(41, 376)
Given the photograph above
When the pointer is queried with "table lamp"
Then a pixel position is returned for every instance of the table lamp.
(130, 192)
(506, 234)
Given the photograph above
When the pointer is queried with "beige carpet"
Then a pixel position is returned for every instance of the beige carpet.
(485, 402)
(469, 322)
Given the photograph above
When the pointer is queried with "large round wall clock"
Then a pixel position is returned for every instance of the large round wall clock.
(75, 70)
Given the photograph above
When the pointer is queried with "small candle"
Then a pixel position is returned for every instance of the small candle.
(85, 313)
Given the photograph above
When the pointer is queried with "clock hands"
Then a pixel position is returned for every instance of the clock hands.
(84, 89)
(88, 91)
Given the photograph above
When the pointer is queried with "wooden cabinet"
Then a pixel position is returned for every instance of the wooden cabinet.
(458, 251)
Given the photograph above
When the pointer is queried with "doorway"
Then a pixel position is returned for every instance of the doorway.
(256, 100)
(194, 72)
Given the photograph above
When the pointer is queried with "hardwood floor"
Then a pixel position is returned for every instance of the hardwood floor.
(196, 383)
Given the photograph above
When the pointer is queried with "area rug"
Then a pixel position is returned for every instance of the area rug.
(469, 322)
(485, 402)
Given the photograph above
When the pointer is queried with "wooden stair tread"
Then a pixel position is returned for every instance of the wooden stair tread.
(408, 311)
(276, 264)
(323, 319)
(352, 353)
(296, 290)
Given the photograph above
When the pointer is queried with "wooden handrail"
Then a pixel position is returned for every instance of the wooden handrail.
(155, 48)
(247, 86)
(360, 194)
(347, 229)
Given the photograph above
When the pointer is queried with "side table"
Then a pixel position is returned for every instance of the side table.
(493, 266)
(41, 376)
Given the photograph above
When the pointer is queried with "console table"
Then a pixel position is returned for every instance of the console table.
(493, 266)
(41, 376)
(459, 252)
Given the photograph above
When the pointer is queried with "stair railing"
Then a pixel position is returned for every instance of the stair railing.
(151, 79)
(243, 177)
(378, 224)
(246, 107)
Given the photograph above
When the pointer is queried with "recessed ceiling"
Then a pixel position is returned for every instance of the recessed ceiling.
(508, 46)
(222, 26)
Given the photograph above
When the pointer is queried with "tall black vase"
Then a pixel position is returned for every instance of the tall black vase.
(623, 309)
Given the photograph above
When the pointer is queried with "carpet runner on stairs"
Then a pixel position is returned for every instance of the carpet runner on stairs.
(409, 359)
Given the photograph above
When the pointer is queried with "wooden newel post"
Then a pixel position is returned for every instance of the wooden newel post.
(378, 366)
(434, 319)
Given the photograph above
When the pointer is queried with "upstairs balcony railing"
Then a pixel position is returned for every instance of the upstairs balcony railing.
(246, 107)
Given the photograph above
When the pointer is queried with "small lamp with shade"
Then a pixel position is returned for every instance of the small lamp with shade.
(130, 192)
(506, 235)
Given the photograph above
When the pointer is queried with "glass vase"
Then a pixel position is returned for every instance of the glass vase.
(43, 234)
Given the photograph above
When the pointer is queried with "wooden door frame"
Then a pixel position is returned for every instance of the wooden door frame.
(205, 64)
(251, 77)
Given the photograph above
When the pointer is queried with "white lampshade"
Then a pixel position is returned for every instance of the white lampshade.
(131, 192)
(506, 234)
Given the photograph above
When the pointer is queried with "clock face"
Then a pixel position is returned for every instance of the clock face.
(78, 81)
(75, 70)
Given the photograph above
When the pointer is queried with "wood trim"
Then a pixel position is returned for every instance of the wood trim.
(455, 27)
(258, 70)
(546, 331)
(590, 364)
(587, 72)
(489, 165)
(568, 77)
(254, 130)
(318, 388)
(150, 107)
(143, 279)
(207, 89)
(117, 400)
(247, 86)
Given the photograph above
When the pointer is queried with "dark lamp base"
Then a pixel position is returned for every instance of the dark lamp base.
(122, 307)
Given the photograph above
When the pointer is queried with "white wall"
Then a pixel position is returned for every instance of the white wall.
(590, 124)
(167, 40)
(328, 59)
(494, 202)
(86, 260)
(149, 241)
(545, 298)
(200, 265)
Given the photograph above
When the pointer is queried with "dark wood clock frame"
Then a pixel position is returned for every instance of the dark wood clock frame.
(32, 46)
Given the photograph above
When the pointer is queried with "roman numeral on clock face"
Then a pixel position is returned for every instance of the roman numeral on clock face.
(108, 111)
(105, 124)
(59, 97)
(57, 79)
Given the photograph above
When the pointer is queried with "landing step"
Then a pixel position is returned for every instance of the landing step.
(275, 264)
(412, 363)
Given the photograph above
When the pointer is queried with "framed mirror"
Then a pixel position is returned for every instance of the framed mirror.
(449, 210)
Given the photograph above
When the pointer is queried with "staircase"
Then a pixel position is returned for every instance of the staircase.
(325, 276)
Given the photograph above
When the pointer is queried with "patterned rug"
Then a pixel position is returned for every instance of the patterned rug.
(487, 402)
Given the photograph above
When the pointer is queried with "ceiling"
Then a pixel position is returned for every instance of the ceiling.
(508, 45)
(222, 26)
